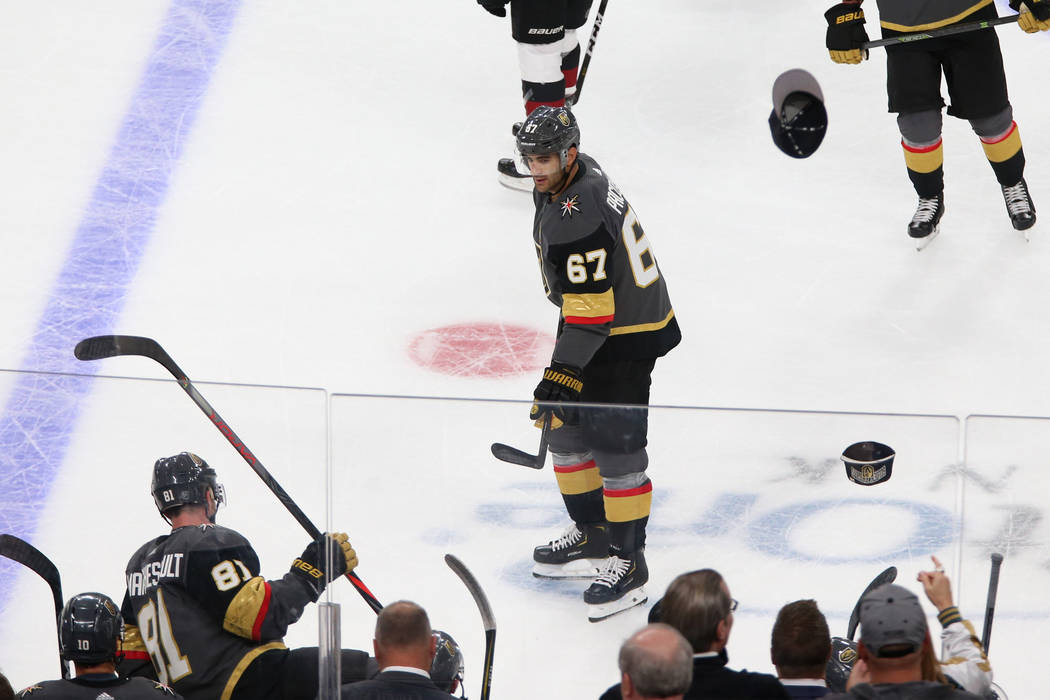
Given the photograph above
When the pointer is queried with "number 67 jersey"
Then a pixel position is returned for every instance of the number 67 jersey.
(202, 610)
(599, 268)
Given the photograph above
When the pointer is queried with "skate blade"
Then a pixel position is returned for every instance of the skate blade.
(921, 243)
(579, 569)
(521, 184)
(603, 611)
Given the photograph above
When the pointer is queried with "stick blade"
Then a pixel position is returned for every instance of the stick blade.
(512, 455)
(27, 555)
(887, 576)
(476, 592)
(102, 346)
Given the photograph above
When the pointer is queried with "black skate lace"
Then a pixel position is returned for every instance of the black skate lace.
(1017, 199)
(927, 209)
(571, 536)
(613, 571)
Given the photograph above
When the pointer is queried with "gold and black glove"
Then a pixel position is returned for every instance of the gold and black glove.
(846, 35)
(1035, 15)
(561, 385)
(313, 567)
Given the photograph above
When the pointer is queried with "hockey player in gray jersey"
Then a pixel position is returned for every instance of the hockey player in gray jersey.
(599, 269)
(91, 633)
(972, 66)
(211, 624)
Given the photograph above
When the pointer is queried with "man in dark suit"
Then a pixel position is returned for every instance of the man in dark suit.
(800, 648)
(404, 648)
(699, 606)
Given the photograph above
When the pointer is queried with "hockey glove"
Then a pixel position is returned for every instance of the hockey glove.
(496, 7)
(846, 34)
(560, 383)
(312, 566)
(1035, 15)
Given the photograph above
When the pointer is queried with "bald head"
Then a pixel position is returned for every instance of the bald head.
(403, 636)
(655, 662)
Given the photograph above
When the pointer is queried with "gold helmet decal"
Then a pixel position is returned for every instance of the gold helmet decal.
(563, 118)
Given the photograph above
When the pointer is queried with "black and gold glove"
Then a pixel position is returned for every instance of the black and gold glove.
(561, 384)
(312, 566)
(846, 35)
(1035, 15)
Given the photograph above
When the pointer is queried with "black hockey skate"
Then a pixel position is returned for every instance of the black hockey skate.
(1019, 205)
(576, 554)
(620, 585)
(926, 223)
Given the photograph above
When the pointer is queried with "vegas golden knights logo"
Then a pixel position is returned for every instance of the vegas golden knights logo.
(563, 118)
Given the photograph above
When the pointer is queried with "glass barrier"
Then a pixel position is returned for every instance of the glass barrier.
(77, 463)
(1006, 494)
(761, 496)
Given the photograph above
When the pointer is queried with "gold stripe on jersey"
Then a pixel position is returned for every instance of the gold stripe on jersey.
(1005, 148)
(243, 610)
(588, 306)
(238, 670)
(939, 23)
(133, 639)
(924, 160)
(643, 327)
(578, 478)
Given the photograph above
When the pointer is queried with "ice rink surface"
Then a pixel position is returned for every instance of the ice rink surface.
(296, 201)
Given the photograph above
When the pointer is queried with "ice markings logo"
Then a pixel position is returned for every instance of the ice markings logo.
(570, 205)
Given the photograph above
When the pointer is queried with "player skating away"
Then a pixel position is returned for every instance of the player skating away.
(548, 58)
(91, 634)
(616, 319)
(972, 65)
(211, 624)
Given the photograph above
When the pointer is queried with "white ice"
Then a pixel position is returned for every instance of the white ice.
(337, 196)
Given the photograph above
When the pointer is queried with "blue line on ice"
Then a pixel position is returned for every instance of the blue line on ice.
(39, 417)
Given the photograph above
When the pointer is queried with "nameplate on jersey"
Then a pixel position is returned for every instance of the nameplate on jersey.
(151, 573)
(614, 199)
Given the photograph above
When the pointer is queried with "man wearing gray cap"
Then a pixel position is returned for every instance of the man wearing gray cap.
(893, 634)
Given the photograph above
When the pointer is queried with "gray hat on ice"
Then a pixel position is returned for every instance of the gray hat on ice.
(892, 622)
(798, 120)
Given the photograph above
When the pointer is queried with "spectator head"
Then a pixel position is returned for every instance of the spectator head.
(6, 691)
(801, 642)
(893, 633)
(403, 637)
(698, 605)
(655, 662)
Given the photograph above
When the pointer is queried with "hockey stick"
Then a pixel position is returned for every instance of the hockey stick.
(945, 31)
(103, 346)
(993, 591)
(32, 558)
(486, 619)
(887, 576)
(506, 453)
(590, 50)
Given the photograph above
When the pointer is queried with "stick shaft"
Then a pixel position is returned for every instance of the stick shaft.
(598, 18)
(993, 592)
(944, 31)
(110, 346)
